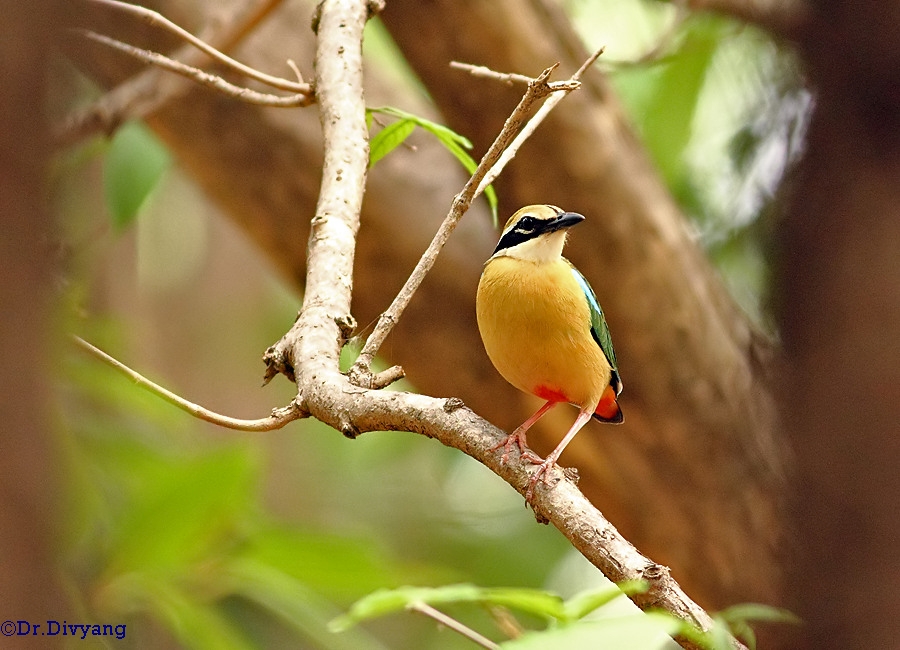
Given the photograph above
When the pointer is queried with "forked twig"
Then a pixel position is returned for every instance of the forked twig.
(147, 91)
(156, 19)
(200, 76)
(510, 152)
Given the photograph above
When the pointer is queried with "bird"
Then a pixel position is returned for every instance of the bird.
(544, 330)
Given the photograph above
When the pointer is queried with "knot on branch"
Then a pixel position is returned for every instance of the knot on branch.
(346, 324)
(293, 411)
(654, 572)
(277, 362)
(453, 404)
(658, 578)
(348, 429)
(571, 474)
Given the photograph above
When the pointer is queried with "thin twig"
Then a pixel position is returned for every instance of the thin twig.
(200, 76)
(156, 19)
(509, 78)
(279, 418)
(146, 92)
(538, 88)
(573, 82)
(453, 624)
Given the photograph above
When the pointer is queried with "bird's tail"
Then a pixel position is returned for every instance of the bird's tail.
(608, 409)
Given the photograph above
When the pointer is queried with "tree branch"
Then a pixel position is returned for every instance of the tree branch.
(279, 418)
(534, 122)
(158, 20)
(304, 98)
(146, 92)
(311, 349)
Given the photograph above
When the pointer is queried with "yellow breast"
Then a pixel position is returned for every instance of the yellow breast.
(535, 323)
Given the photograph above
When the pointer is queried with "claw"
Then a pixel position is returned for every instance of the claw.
(540, 475)
(516, 438)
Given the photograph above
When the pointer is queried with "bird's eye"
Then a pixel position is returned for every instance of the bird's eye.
(526, 225)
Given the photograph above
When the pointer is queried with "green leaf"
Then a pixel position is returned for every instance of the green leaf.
(758, 612)
(652, 631)
(582, 604)
(388, 139)
(446, 134)
(454, 143)
(134, 164)
(389, 601)
(533, 601)
(736, 620)
(376, 604)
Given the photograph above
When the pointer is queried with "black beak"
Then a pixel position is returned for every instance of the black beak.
(565, 220)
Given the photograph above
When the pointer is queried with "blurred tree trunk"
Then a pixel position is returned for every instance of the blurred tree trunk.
(840, 317)
(29, 586)
(694, 478)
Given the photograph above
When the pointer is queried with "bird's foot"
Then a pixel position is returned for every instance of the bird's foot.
(518, 439)
(542, 474)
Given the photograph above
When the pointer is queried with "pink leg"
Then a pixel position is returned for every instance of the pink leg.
(518, 437)
(548, 464)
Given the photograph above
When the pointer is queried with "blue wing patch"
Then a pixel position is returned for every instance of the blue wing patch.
(599, 328)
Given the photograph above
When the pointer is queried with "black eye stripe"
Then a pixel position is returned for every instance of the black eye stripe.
(525, 229)
(530, 227)
(512, 238)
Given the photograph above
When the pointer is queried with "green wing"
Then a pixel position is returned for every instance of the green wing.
(599, 328)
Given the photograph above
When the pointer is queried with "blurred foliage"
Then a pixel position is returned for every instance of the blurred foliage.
(201, 539)
(164, 527)
(536, 602)
(587, 619)
(135, 162)
(722, 111)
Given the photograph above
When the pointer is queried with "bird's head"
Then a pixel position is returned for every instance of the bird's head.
(536, 233)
